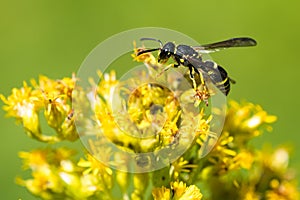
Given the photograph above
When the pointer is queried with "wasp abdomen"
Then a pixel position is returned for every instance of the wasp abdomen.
(218, 76)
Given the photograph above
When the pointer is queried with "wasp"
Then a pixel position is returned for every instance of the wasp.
(191, 57)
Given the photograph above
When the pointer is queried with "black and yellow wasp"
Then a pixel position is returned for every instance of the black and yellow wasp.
(191, 57)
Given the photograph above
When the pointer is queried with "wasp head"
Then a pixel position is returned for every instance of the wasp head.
(166, 51)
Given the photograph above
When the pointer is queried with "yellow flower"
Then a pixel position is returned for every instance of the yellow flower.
(55, 111)
(246, 120)
(162, 193)
(145, 57)
(68, 127)
(180, 166)
(44, 183)
(34, 159)
(56, 176)
(204, 126)
(277, 160)
(179, 191)
(40, 158)
(150, 110)
(51, 96)
(107, 84)
(250, 194)
(191, 193)
(204, 137)
(141, 115)
(22, 105)
(244, 159)
(96, 168)
(178, 188)
(222, 151)
(61, 154)
(282, 191)
(55, 88)
(46, 165)
(182, 192)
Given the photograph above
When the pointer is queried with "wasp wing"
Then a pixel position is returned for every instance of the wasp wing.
(234, 42)
(199, 67)
(213, 72)
(196, 62)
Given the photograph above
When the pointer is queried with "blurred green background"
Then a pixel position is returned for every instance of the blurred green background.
(54, 37)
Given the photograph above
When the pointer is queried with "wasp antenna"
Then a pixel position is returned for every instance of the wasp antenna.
(153, 39)
(146, 51)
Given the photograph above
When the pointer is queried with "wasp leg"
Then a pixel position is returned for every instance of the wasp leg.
(166, 69)
(191, 69)
(202, 82)
(203, 94)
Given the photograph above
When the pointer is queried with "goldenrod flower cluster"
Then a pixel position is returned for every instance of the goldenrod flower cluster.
(50, 97)
(233, 169)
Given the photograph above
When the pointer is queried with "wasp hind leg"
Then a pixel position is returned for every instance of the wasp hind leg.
(192, 77)
(203, 93)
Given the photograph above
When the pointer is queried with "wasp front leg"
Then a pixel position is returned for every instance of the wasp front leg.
(167, 68)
